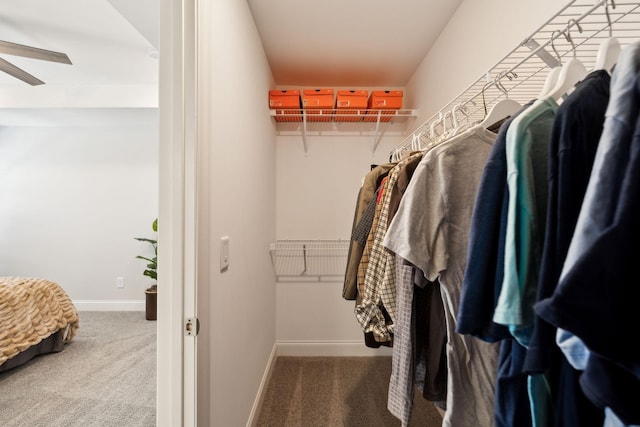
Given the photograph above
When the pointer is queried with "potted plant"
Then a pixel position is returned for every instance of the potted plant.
(151, 271)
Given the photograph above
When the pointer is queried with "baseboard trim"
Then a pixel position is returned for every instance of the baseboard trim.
(102, 305)
(329, 348)
(266, 377)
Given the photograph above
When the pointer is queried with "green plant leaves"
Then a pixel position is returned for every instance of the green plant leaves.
(152, 266)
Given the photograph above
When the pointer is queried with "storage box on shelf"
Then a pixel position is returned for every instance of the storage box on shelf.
(317, 104)
(315, 112)
(350, 105)
(383, 104)
(287, 105)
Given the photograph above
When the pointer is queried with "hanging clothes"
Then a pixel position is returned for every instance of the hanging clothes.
(596, 296)
(366, 195)
(379, 281)
(574, 139)
(527, 160)
(527, 284)
(581, 113)
(373, 338)
(484, 270)
(430, 231)
(482, 282)
(419, 345)
(427, 360)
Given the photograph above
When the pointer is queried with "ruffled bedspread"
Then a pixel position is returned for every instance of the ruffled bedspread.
(31, 310)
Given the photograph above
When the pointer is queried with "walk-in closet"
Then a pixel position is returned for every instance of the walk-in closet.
(261, 206)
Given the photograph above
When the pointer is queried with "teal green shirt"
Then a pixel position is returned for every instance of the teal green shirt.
(527, 154)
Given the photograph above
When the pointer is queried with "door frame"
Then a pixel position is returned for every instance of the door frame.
(176, 402)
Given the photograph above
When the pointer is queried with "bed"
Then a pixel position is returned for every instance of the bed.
(36, 317)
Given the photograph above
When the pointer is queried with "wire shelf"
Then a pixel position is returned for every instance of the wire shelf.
(341, 115)
(341, 122)
(319, 260)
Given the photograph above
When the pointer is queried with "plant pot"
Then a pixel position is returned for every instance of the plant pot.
(151, 303)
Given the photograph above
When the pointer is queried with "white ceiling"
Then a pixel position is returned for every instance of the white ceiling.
(113, 44)
(358, 43)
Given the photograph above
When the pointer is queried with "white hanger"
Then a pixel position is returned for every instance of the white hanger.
(572, 71)
(554, 73)
(609, 48)
(570, 74)
(501, 109)
(443, 135)
(550, 82)
(607, 54)
(449, 132)
(457, 127)
(422, 138)
(445, 129)
(432, 127)
(460, 107)
(415, 142)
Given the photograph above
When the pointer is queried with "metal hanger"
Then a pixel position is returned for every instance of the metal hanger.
(609, 48)
(501, 109)
(457, 127)
(572, 71)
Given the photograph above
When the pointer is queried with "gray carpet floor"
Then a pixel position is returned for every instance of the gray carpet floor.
(335, 392)
(106, 377)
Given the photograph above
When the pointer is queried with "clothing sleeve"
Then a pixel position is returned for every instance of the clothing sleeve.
(417, 232)
(349, 288)
(485, 256)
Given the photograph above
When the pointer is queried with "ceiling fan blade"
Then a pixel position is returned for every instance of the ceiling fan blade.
(33, 52)
(18, 73)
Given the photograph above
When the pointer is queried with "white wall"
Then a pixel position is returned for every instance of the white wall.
(239, 143)
(73, 198)
(479, 35)
(316, 199)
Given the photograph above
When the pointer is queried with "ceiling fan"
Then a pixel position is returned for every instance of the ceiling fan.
(28, 52)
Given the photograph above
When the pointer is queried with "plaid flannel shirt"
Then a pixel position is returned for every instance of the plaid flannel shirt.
(380, 277)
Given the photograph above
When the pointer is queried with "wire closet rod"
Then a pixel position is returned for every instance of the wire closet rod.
(576, 29)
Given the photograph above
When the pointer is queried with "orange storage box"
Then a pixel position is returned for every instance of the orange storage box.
(287, 104)
(381, 100)
(348, 102)
(317, 104)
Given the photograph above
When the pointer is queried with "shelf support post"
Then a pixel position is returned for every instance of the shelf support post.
(378, 134)
(304, 259)
(304, 131)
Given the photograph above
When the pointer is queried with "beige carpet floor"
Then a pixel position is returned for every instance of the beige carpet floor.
(335, 392)
(106, 377)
